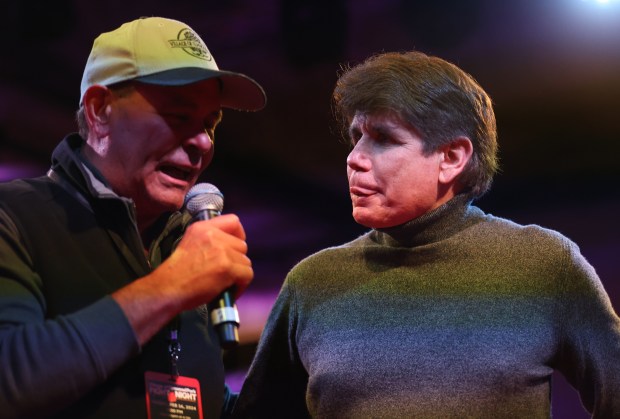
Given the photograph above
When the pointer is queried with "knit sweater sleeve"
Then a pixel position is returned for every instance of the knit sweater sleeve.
(276, 383)
(38, 353)
(589, 355)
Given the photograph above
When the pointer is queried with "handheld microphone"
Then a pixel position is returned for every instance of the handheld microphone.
(203, 202)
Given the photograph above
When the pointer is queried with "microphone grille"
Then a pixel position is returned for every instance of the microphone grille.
(204, 196)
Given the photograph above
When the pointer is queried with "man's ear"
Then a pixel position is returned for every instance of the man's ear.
(454, 157)
(96, 102)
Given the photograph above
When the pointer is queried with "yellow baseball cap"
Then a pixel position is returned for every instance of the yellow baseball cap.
(166, 52)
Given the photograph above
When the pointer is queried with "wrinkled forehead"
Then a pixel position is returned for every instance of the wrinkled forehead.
(369, 120)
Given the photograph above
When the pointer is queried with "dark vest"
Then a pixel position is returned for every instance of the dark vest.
(82, 251)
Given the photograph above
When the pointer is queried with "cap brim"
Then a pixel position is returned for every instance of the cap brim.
(239, 91)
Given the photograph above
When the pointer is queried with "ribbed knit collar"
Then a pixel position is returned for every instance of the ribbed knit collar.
(438, 224)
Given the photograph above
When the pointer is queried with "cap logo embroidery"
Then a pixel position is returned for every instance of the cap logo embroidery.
(191, 44)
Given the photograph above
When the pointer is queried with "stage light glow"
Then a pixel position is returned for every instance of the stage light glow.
(600, 2)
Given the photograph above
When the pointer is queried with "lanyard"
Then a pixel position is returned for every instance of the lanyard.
(174, 348)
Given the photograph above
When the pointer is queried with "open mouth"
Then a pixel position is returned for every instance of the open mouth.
(176, 172)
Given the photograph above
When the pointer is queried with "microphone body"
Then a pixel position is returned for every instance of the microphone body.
(203, 202)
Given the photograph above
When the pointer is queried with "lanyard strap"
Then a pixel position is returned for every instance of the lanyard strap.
(174, 348)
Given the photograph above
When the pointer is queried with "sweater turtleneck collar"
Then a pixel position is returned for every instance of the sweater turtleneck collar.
(438, 224)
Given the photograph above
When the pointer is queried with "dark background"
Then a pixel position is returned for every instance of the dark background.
(552, 68)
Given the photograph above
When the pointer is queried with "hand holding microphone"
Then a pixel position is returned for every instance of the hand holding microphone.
(210, 258)
(203, 202)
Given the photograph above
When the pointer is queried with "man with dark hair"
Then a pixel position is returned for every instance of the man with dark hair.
(440, 310)
(102, 281)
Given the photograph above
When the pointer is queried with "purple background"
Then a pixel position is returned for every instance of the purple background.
(552, 68)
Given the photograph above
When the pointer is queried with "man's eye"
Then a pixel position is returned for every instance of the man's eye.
(382, 139)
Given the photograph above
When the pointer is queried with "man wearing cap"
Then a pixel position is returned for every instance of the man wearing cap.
(102, 282)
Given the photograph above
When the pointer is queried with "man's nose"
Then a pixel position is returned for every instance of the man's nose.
(202, 141)
(199, 147)
(358, 158)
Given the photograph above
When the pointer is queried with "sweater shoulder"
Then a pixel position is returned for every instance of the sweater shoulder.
(328, 258)
(523, 233)
(532, 245)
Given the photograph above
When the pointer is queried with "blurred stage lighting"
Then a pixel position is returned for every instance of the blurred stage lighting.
(600, 2)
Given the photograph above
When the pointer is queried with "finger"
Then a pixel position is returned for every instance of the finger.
(243, 277)
(205, 234)
(228, 223)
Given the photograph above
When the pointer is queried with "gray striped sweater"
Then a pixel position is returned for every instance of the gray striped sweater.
(455, 314)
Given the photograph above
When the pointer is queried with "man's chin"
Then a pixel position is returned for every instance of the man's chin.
(373, 219)
(362, 217)
(169, 201)
(170, 194)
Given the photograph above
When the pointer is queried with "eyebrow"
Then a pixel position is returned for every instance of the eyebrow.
(381, 128)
